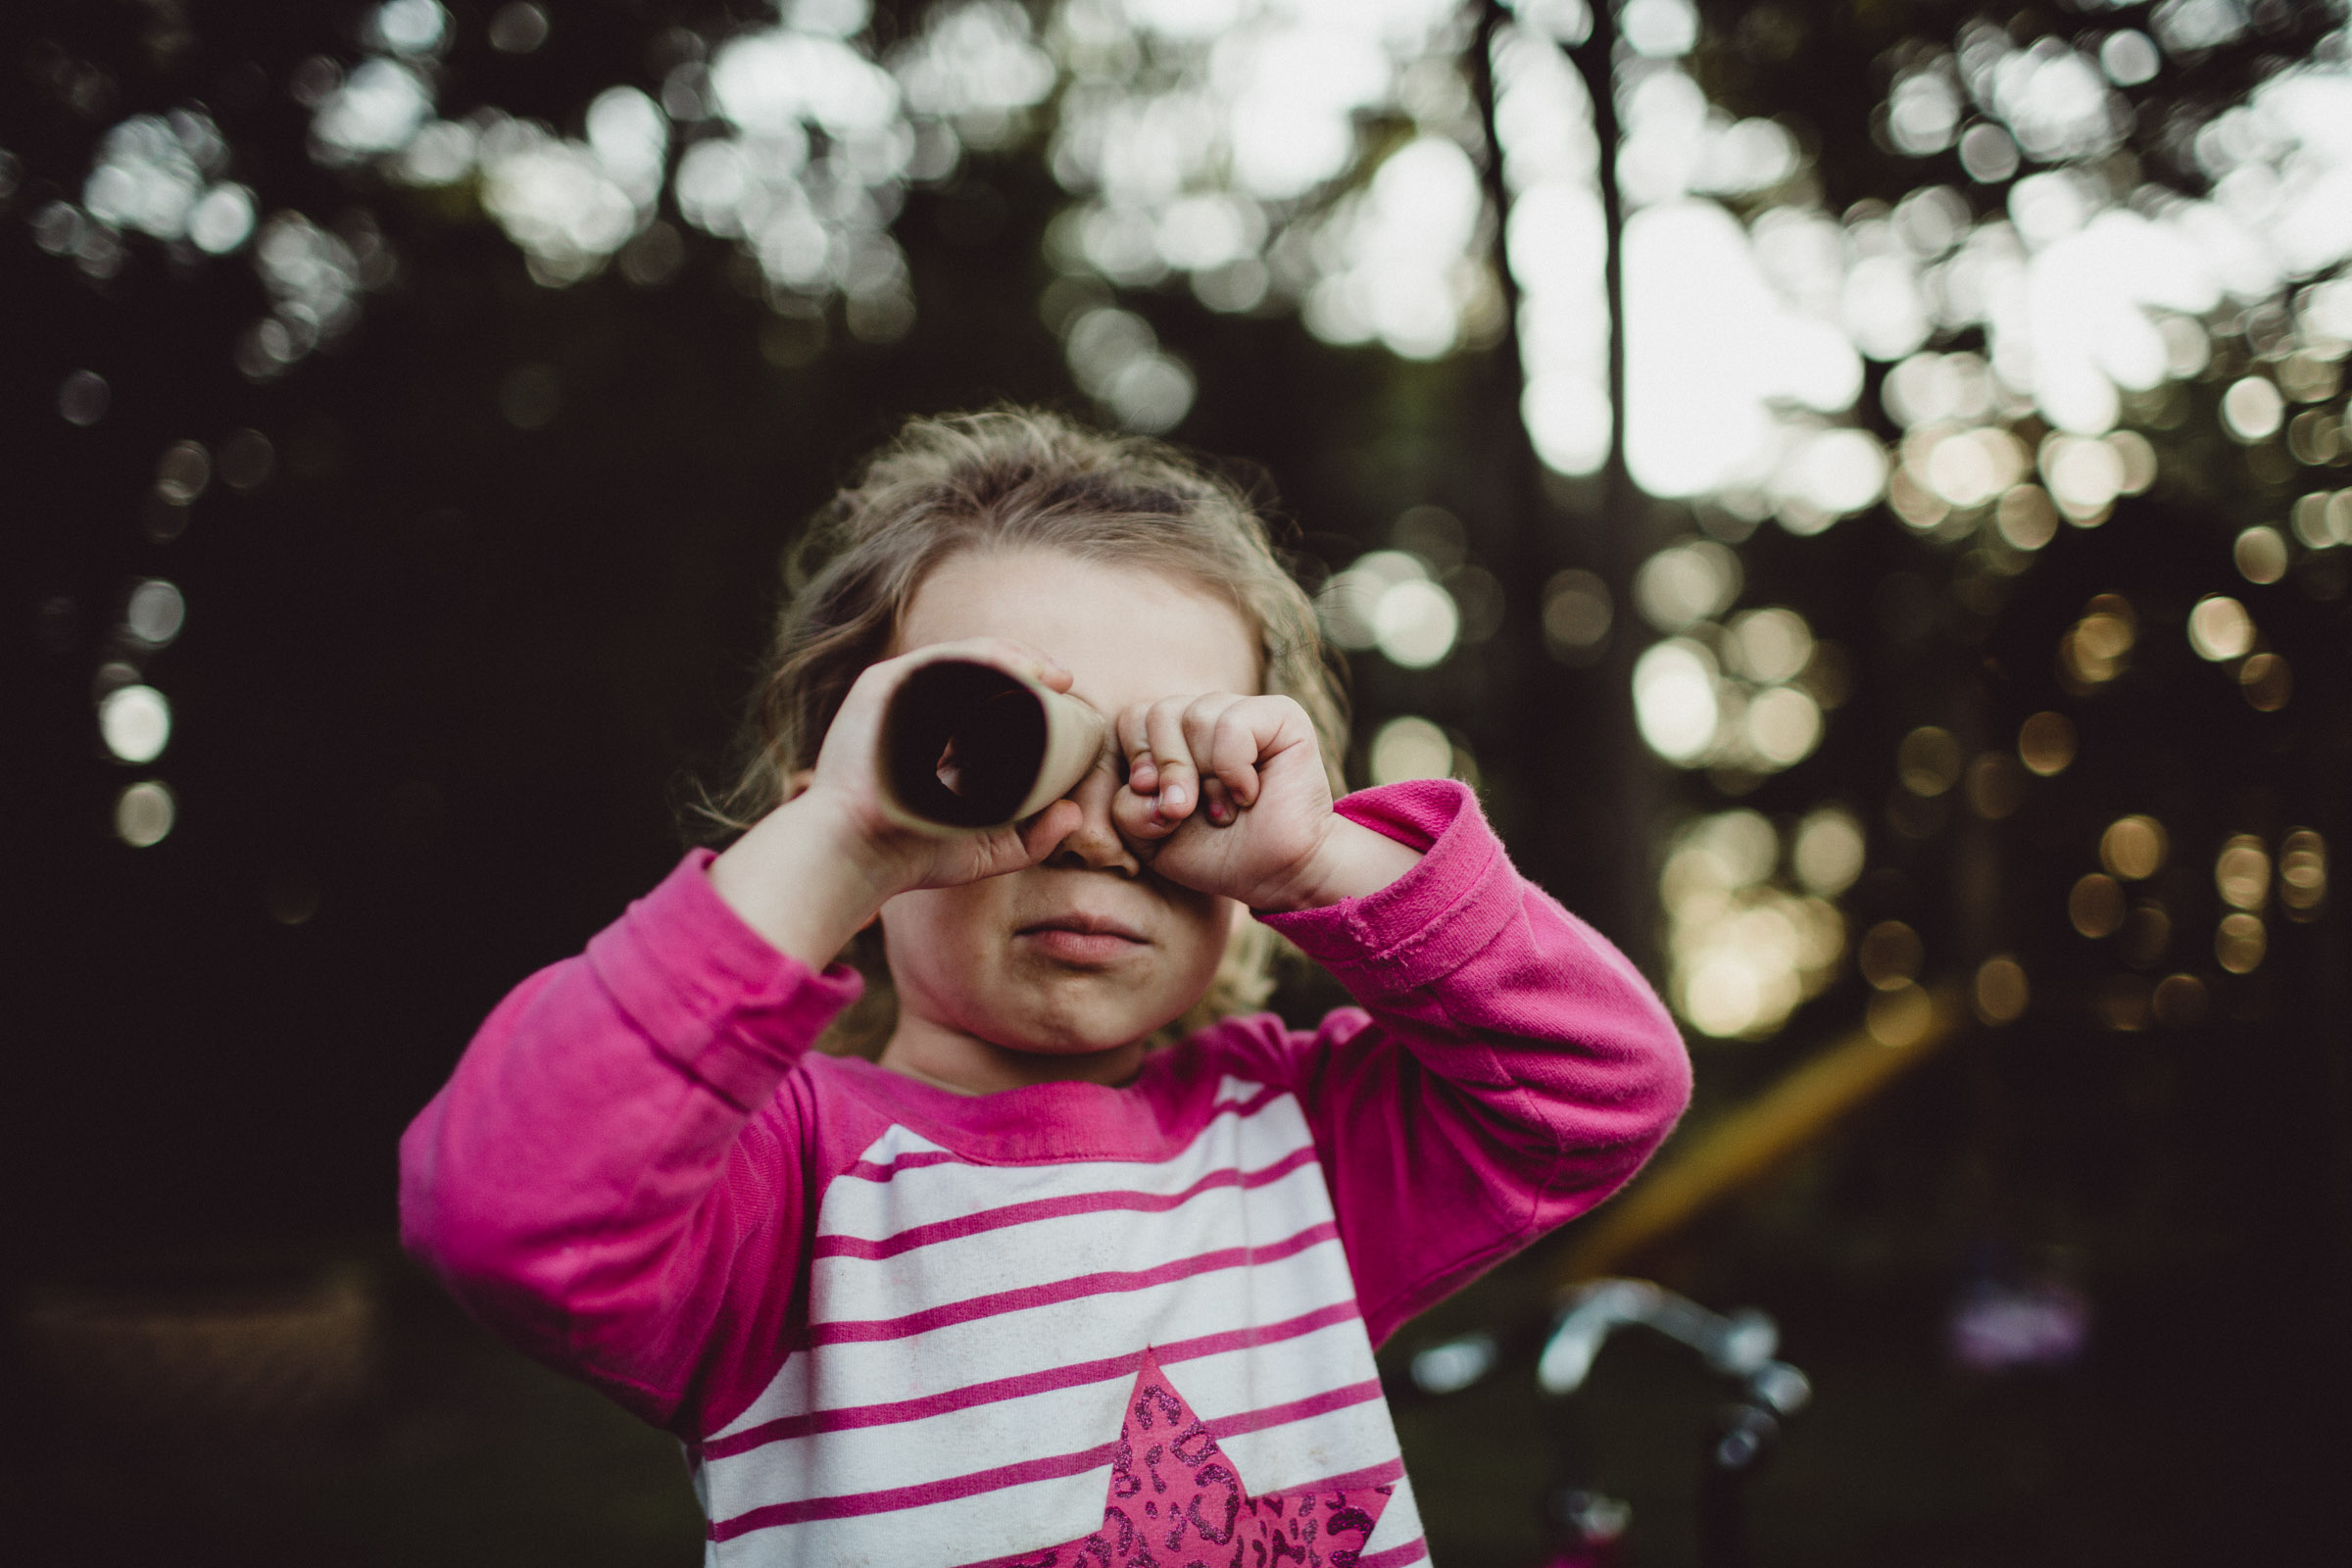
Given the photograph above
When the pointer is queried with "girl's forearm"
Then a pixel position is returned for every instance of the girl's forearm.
(1516, 1071)
(799, 880)
(570, 1182)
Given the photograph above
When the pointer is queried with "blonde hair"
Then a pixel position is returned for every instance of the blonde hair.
(1014, 478)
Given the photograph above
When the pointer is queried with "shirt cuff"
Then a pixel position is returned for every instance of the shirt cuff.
(708, 992)
(1428, 922)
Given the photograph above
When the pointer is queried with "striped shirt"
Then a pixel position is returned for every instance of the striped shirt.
(1061, 1325)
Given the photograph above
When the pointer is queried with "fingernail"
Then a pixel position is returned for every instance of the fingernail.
(1174, 796)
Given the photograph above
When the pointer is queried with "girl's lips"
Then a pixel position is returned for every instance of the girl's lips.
(1082, 939)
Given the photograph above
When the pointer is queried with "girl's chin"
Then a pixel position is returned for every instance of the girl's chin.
(1068, 1032)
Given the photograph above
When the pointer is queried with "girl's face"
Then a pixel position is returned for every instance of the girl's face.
(1089, 949)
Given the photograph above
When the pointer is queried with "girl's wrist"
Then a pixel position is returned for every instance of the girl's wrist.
(1351, 862)
(806, 877)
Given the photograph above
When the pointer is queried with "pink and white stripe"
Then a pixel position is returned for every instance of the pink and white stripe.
(961, 1385)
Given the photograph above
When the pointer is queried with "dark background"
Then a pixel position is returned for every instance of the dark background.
(446, 684)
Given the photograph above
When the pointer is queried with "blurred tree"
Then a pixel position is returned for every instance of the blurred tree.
(1986, 287)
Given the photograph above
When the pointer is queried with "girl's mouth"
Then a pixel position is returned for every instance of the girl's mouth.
(1081, 939)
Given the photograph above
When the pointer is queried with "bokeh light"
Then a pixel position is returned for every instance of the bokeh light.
(2321, 519)
(2242, 873)
(2219, 628)
(409, 27)
(1410, 746)
(1193, 142)
(2045, 744)
(82, 398)
(1415, 623)
(1829, 851)
(571, 205)
(2303, 873)
(2259, 554)
(314, 280)
(1555, 243)
(1927, 762)
(2125, 1003)
(2180, 1001)
(2001, 992)
(1403, 279)
(2134, 848)
(1772, 644)
(2267, 680)
(1900, 1016)
(135, 723)
(2095, 906)
(247, 461)
(1675, 699)
(154, 613)
(1281, 155)
(159, 175)
(1745, 950)
(518, 29)
(1388, 600)
(2026, 518)
(1781, 725)
(1997, 785)
(2252, 409)
(1115, 356)
(1740, 695)
(378, 109)
(2128, 57)
(1685, 583)
(2240, 942)
(2147, 931)
(1889, 954)
(1716, 355)
(2098, 646)
(2084, 476)
(182, 471)
(1577, 614)
(144, 814)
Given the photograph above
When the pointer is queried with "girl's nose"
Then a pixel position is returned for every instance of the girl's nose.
(1096, 843)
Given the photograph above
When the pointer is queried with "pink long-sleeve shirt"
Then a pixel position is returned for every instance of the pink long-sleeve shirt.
(1059, 1325)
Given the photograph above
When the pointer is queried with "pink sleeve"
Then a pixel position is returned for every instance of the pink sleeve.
(1514, 1069)
(614, 1176)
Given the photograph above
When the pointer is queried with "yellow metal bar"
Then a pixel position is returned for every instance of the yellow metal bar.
(1748, 1142)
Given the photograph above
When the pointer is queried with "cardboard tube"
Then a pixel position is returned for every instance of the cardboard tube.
(967, 746)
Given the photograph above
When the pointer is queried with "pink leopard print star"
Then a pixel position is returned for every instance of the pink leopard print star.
(1176, 1501)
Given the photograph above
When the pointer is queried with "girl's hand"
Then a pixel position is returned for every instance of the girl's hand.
(846, 779)
(1227, 795)
(819, 867)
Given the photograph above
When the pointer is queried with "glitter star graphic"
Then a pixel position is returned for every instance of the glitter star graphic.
(1177, 1502)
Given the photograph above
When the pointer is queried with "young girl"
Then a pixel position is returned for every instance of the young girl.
(1036, 1286)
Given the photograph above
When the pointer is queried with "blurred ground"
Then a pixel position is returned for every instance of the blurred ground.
(460, 1452)
(2177, 1441)
(2170, 1444)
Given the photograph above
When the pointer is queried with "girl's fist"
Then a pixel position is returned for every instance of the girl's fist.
(1227, 795)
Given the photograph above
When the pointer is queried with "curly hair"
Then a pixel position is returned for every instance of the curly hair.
(1012, 478)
